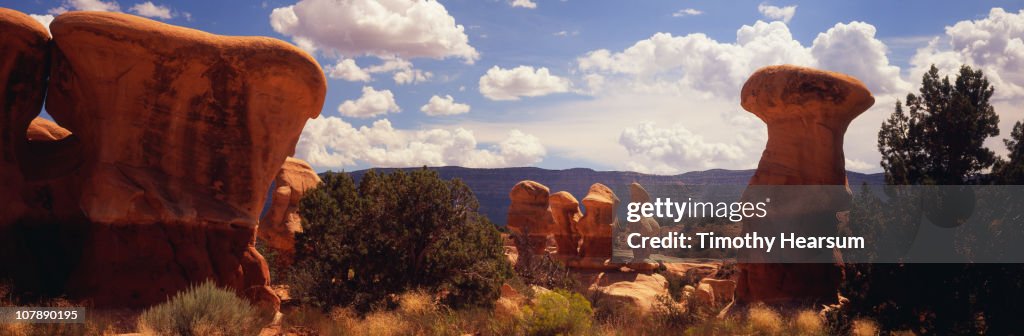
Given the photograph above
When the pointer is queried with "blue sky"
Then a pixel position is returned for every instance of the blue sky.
(649, 86)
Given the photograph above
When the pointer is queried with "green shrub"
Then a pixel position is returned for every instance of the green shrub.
(558, 313)
(201, 310)
(361, 246)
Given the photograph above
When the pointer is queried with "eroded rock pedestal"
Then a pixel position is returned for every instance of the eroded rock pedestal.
(174, 138)
(807, 112)
(565, 210)
(598, 224)
(646, 226)
(281, 222)
(528, 216)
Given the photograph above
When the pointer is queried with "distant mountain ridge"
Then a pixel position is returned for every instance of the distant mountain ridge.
(492, 185)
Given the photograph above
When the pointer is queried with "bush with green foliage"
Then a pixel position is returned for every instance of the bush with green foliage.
(558, 312)
(940, 139)
(201, 310)
(394, 233)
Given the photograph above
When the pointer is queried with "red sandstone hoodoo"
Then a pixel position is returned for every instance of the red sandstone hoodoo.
(807, 112)
(174, 138)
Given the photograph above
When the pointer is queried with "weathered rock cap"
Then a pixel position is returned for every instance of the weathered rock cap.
(793, 92)
(86, 26)
(18, 26)
(529, 192)
(44, 130)
(637, 193)
(298, 175)
(600, 194)
(563, 200)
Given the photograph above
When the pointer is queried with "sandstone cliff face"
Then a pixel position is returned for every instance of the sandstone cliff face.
(281, 222)
(175, 136)
(807, 112)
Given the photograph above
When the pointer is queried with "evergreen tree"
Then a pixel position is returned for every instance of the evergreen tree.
(940, 138)
(1012, 171)
(391, 234)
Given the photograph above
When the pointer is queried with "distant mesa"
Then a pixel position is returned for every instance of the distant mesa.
(491, 185)
(154, 172)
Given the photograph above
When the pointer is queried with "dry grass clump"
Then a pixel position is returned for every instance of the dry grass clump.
(808, 323)
(863, 327)
(416, 303)
(765, 321)
(383, 324)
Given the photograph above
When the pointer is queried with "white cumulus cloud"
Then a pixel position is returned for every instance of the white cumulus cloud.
(442, 106)
(521, 81)
(151, 10)
(777, 13)
(43, 19)
(674, 148)
(853, 49)
(994, 44)
(402, 28)
(695, 61)
(347, 69)
(402, 71)
(524, 4)
(86, 5)
(332, 143)
(687, 12)
(858, 165)
(665, 62)
(372, 103)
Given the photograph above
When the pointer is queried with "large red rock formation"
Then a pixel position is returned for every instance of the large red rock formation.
(598, 223)
(176, 136)
(281, 222)
(566, 212)
(528, 215)
(807, 112)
